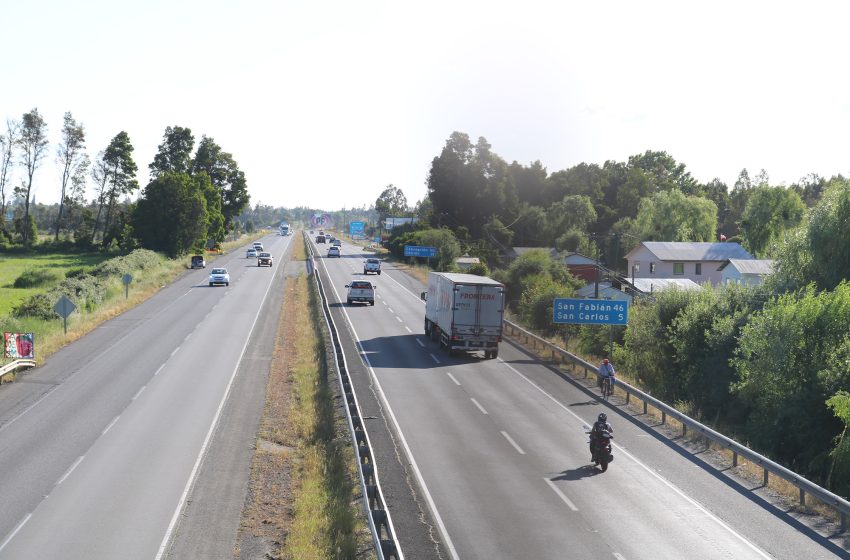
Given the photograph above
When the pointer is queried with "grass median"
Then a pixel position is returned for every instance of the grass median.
(304, 501)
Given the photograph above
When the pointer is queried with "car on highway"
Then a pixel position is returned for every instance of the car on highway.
(251, 253)
(265, 259)
(361, 291)
(336, 242)
(258, 246)
(371, 265)
(219, 276)
(320, 239)
(198, 261)
(333, 251)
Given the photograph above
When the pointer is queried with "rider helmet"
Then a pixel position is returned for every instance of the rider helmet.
(602, 417)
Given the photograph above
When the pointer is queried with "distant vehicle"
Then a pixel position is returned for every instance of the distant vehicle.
(333, 251)
(320, 238)
(265, 259)
(219, 276)
(251, 253)
(371, 265)
(361, 291)
(464, 312)
(198, 261)
(336, 242)
(258, 246)
(284, 230)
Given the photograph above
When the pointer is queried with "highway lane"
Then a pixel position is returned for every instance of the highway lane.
(500, 449)
(98, 460)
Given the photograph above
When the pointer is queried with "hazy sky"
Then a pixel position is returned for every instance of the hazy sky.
(323, 104)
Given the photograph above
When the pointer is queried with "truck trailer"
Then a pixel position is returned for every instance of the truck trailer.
(464, 312)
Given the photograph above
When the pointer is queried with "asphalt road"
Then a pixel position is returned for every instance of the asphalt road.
(101, 447)
(495, 455)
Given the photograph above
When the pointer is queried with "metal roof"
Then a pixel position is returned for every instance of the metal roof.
(762, 267)
(688, 251)
(650, 285)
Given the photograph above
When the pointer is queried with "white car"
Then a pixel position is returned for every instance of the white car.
(333, 251)
(251, 254)
(219, 276)
(371, 265)
(361, 291)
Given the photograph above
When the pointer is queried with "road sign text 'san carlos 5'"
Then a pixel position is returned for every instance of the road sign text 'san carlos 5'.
(590, 311)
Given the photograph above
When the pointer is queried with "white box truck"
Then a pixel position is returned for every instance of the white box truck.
(464, 312)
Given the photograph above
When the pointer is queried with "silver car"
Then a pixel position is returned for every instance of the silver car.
(219, 276)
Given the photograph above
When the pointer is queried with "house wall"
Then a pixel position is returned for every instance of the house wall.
(732, 275)
(664, 269)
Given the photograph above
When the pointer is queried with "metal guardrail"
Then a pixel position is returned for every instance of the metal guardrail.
(380, 522)
(804, 485)
(17, 364)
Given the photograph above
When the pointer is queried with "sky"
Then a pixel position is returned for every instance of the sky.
(323, 104)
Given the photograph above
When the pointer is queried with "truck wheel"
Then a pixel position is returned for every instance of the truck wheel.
(379, 273)
(349, 302)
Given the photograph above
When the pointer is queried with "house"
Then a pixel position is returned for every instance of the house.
(465, 262)
(582, 267)
(750, 272)
(699, 262)
(655, 285)
(606, 291)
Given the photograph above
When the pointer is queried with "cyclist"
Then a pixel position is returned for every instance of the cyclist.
(606, 370)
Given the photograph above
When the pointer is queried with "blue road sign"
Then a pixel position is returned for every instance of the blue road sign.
(590, 311)
(417, 251)
(356, 228)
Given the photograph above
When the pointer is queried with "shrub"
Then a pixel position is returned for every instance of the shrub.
(39, 306)
(34, 277)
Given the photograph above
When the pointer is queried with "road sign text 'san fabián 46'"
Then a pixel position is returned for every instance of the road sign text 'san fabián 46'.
(590, 311)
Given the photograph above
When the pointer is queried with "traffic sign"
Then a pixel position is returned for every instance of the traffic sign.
(356, 228)
(417, 251)
(64, 307)
(590, 311)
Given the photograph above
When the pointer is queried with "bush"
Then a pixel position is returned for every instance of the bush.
(34, 277)
(39, 306)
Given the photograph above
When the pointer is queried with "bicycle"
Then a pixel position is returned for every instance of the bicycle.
(607, 387)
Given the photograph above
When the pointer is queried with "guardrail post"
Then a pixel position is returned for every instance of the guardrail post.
(684, 429)
(663, 417)
(628, 397)
(734, 459)
(802, 497)
(765, 477)
(644, 407)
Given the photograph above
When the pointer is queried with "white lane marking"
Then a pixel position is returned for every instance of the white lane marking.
(419, 342)
(563, 496)
(619, 556)
(453, 378)
(512, 442)
(408, 329)
(159, 369)
(175, 351)
(191, 481)
(390, 309)
(70, 470)
(188, 336)
(433, 357)
(663, 480)
(438, 519)
(481, 408)
(15, 530)
(139, 392)
(399, 319)
(109, 427)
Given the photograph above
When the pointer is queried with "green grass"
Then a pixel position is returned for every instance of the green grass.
(13, 266)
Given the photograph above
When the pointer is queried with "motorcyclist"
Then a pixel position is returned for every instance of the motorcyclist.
(598, 426)
(606, 369)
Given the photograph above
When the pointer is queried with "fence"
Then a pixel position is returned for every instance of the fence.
(804, 485)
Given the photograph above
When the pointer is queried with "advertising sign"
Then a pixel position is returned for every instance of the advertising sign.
(417, 251)
(321, 220)
(19, 345)
(590, 311)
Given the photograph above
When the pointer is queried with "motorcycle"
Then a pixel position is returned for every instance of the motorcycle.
(602, 449)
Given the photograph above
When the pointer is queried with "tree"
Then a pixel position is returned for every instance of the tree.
(665, 172)
(7, 147)
(72, 158)
(33, 143)
(121, 178)
(225, 176)
(171, 213)
(673, 216)
(392, 202)
(769, 214)
(175, 152)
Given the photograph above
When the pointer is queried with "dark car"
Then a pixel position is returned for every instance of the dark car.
(198, 261)
(320, 239)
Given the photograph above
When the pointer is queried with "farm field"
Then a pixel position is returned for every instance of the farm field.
(12, 266)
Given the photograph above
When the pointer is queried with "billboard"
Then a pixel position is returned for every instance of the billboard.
(322, 221)
(18, 345)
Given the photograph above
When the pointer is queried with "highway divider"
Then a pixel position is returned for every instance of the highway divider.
(380, 522)
(556, 353)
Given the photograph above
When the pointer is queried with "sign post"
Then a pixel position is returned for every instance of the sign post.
(63, 308)
(127, 278)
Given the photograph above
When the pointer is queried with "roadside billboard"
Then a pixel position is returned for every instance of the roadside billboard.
(18, 345)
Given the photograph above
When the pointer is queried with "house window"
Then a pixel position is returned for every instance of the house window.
(652, 268)
(698, 269)
(678, 268)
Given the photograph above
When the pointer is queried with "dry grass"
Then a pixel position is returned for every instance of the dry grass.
(304, 497)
